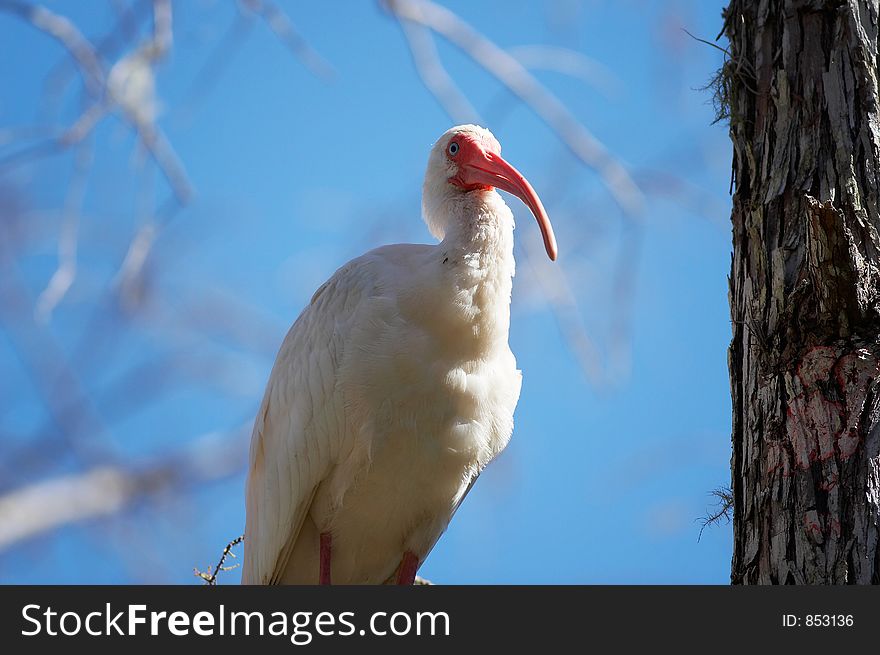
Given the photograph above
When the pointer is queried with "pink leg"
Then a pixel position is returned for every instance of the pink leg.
(406, 573)
(325, 558)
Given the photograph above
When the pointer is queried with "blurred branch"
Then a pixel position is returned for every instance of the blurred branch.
(53, 140)
(125, 395)
(55, 379)
(131, 85)
(229, 44)
(65, 274)
(568, 62)
(434, 75)
(123, 32)
(60, 141)
(220, 56)
(127, 85)
(66, 33)
(512, 74)
(44, 506)
(19, 133)
(563, 302)
(162, 33)
(658, 183)
(280, 23)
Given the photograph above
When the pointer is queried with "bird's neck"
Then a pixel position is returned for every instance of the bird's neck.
(478, 238)
(476, 257)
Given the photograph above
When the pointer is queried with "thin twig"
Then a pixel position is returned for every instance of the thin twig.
(723, 509)
(211, 578)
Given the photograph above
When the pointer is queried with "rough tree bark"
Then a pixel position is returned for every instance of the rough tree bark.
(801, 90)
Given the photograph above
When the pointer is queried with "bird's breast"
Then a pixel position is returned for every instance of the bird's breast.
(442, 405)
(428, 438)
(440, 409)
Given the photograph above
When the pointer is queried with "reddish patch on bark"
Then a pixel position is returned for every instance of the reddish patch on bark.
(834, 527)
(828, 485)
(848, 443)
(813, 527)
(855, 370)
(819, 427)
(813, 422)
(778, 458)
(818, 526)
(854, 374)
(816, 365)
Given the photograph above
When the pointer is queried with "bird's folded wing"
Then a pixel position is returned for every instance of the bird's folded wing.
(300, 430)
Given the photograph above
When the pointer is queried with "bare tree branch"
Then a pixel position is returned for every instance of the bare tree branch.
(67, 35)
(58, 383)
(280, 23)
(44, 506)
(211, 578)
(564, 304)
(65, 274)
(434, 75)
(122, 33)
(118, 85)
(568, 62)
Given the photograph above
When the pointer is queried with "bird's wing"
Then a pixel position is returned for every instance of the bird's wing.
(300, 430)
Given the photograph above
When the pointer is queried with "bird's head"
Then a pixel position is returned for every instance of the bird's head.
(467, 159)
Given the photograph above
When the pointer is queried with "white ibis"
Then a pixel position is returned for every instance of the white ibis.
(393, 389)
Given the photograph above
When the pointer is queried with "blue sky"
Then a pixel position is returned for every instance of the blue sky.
(295, 174)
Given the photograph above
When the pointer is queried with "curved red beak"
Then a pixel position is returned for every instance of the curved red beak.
(490, 169)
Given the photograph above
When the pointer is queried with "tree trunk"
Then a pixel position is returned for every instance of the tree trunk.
(801, 91)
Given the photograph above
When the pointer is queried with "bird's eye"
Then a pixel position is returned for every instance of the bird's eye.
(453, 149)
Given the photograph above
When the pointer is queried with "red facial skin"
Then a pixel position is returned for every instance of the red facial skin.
(479, 168)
